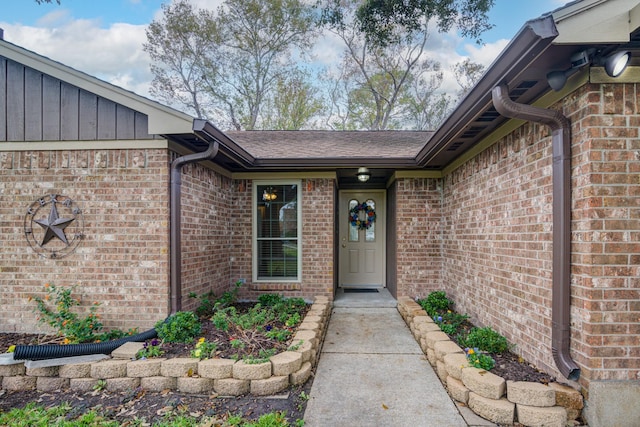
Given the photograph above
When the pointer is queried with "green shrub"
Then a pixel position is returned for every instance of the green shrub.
(435, 302)
(486, 339)
(479, 360)
(182, 326)
(269, 300)
(207, 303)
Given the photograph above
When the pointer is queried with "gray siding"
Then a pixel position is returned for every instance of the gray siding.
(38, 107)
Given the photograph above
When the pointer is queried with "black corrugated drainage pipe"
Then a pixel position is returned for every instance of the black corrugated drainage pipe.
(561, 275)
(175, 220)
(53, 351)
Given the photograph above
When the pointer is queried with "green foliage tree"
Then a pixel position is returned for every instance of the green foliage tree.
(386, 21)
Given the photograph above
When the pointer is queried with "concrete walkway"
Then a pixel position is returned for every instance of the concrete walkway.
(373, 373)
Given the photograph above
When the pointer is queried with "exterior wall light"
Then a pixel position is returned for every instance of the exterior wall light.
(363, 174)
(614, 65)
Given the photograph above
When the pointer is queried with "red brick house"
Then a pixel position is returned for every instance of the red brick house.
(529, 218)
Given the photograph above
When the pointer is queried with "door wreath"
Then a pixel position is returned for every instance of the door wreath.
(369, 216)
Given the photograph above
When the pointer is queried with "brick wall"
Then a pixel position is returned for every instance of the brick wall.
(317, 238)
(418, 225)
(123, 261)
(498, 236)
(606, 230)
(206, 233)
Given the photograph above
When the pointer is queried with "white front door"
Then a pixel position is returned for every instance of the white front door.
(362, 238)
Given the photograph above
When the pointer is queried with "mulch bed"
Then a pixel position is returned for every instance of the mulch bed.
(153, 407)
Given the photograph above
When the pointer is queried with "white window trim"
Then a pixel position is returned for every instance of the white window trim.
(254, 230)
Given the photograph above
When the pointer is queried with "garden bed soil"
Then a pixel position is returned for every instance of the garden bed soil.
(153, 406)
(509, 366)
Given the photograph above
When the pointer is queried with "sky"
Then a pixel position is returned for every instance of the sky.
(104, 38)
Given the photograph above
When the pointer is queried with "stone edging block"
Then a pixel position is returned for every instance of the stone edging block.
(483, 392)
(286, 363)
(190, 375)
(216, 369)
(530, 394)
(499, 411)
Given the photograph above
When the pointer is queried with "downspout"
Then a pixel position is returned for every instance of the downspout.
(175, 287)
(561, 275)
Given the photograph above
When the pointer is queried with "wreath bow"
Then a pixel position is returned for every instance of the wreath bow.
(369, 216)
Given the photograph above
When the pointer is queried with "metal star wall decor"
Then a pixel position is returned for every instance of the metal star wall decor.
(60, 226)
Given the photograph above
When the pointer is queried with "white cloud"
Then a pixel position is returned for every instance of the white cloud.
(114, 54)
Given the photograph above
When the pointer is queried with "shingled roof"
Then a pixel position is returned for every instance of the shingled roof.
(322, 143)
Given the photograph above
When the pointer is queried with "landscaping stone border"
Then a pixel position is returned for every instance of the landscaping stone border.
(189, 375)
(486, 394)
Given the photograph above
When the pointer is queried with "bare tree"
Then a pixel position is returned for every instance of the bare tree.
(181, 46)
(228, 64)
(379, 82)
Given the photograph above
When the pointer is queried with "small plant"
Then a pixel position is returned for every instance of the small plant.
(295, 347)
(150, 349)
(204, 349)
(220, 320)
(229, 297)
(435, 302)
(450, 322)
(477, 359)
(71, 326)
(270, 300)
(207, 303)
(486, 339)
(100, 385)
(182, 326)
(263, 357)
(293, 320)
(278, 334)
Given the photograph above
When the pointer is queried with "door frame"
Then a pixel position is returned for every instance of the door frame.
(342, 227)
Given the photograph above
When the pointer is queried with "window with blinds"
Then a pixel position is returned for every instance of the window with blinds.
(276, 236)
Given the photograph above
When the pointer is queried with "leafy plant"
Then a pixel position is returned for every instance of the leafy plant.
(182, 326)
(278, 334)
(71, 326)
(486, 339)
(450, 322)
(272, 419)
(479, 360)
(220, 320)
(270, 300)
(296, 346)
(263, 357)
(229, 297)
(100, 385)
(207, 303)
(435, 302)
(150, 349)
(204, 349)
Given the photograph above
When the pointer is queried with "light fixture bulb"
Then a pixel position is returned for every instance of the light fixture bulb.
(615, 64)
(363, 174)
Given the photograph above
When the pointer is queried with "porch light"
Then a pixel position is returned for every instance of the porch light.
(614, 65)
(363, 174)
(269, 195)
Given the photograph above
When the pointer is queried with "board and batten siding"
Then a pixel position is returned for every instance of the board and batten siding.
(37, 107)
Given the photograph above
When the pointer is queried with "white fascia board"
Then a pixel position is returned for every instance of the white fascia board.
(162, 119)
(597, 21)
